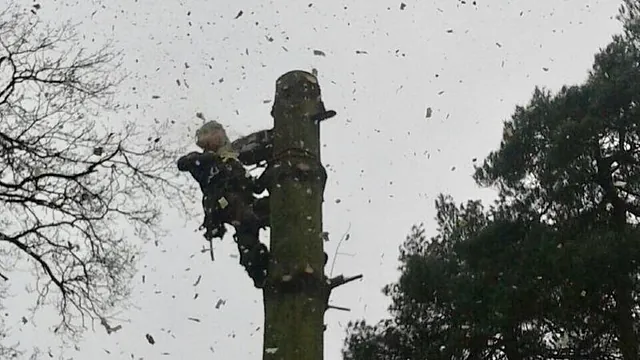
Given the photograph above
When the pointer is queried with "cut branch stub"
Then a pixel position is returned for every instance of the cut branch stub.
(333, 283)
(341, 280)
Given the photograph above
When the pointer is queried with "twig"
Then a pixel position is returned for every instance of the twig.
(335, 255)
(347, 254)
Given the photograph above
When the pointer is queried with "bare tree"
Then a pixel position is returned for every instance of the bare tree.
(71, 183)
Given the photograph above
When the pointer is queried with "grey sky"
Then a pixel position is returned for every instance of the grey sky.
(386, 160)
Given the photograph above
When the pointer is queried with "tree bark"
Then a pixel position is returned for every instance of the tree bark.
(296, 293)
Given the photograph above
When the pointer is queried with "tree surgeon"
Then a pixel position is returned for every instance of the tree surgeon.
(229, 197)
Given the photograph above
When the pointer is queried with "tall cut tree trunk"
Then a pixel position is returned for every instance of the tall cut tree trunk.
(296, 293)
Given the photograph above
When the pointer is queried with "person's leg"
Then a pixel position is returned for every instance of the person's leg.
(261, 209)
(254, 256)
(246, 242)
(258, 264)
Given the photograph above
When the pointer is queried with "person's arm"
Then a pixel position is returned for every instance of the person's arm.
(238, 173)
(255, 147)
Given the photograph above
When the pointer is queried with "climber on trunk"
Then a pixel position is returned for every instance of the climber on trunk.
(229, 197)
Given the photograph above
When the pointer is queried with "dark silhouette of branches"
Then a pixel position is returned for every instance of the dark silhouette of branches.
(71, 181)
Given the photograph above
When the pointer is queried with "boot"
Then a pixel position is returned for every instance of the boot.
(256, 262)
(259, 265)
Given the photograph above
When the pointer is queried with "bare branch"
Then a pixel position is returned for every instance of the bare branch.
(344, 237)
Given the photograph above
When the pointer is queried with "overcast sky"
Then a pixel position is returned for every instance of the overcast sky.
(384, 65)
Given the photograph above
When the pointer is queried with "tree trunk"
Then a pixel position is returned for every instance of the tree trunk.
(627, 338)
(511, 344)
(296, 293)
(628, 342)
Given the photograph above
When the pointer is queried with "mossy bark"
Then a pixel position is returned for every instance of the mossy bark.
(295, 295)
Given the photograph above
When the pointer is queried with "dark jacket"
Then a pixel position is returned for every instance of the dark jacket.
(214, 173)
